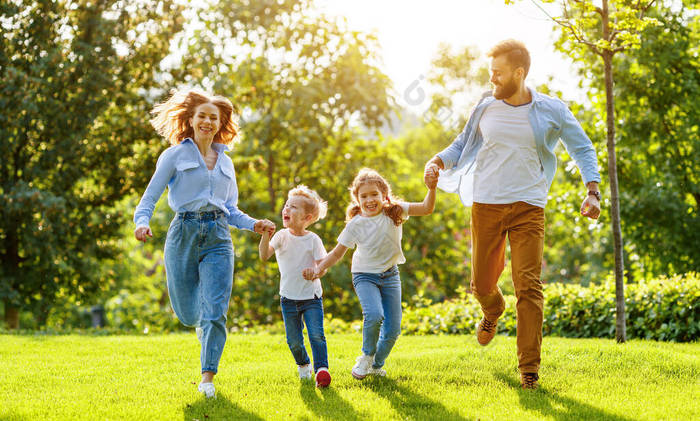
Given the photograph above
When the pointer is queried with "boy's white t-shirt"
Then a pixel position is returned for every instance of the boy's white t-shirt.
(294, 254)
(377, 239)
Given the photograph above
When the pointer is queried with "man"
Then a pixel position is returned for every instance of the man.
(502, 164)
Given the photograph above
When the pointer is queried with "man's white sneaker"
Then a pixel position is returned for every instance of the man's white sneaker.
(208, 389)
(305, 372)
(363, 366)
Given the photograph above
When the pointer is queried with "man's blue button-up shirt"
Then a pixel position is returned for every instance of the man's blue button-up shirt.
(550, 119)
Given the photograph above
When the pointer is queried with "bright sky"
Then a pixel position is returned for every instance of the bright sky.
(411, 30)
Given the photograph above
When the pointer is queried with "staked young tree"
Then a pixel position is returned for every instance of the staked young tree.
(605, 28)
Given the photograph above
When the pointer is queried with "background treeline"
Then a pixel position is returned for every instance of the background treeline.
(78, 80)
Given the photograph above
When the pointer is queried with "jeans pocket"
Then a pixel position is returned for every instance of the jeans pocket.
(222, 230)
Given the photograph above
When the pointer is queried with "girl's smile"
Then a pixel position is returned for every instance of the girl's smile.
(371, 199)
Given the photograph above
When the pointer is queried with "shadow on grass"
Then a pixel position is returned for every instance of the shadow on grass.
(409, 404)
(330, 407)
(544, 400)
(219, 408)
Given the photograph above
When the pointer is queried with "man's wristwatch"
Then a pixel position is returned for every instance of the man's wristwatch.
(595, 193)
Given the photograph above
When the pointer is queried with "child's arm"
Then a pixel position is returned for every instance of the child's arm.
(264, 247)
(428, 204)
(322, 265)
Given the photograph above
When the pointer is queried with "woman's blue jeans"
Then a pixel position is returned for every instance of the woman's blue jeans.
(312, 313)
(199, 268)
(380, 298)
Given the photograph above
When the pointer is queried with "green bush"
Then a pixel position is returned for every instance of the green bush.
(666, 309)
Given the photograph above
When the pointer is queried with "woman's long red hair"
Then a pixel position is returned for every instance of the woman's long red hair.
(172, 117)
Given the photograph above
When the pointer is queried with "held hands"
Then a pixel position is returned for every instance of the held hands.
(590, 207)
(142, 233)
(309, 274)
(313, 273)
(431, 175)
(265, 226)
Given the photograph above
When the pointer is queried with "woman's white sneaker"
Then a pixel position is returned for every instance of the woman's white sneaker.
(377, 372)
(208, 389)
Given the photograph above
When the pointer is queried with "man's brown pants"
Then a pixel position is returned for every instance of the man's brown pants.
(524, 225)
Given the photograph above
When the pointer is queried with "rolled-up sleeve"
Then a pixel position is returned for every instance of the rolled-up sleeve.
(165, 170)
(237, 217)
(579, 146)
(450, 155)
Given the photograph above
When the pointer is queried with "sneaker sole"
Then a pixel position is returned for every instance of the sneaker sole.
(358, 376)
(323, 379)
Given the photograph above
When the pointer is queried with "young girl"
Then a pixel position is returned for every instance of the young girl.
(202, 191)
(374, 219)
(300, 300)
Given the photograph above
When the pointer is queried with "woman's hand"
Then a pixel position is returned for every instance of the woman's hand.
(264, 225)
(142, 233)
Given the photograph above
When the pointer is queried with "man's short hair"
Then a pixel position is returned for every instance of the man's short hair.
(515, 51)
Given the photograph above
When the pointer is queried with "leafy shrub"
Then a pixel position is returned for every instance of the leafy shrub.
(666, 309)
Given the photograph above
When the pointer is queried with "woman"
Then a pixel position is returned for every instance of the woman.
(202, 191)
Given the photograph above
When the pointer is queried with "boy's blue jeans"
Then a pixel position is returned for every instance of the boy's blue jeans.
(312, 313)
(199, 268)
(380, 298)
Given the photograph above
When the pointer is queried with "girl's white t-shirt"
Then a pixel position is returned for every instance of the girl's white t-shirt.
(294, 254)
(377, 239)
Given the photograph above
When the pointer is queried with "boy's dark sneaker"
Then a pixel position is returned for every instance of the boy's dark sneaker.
(529, 380)
(323, 377)
(486, 331)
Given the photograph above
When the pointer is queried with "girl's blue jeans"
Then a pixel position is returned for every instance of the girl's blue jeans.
(199, 268)
(380, 298)
(311, 311)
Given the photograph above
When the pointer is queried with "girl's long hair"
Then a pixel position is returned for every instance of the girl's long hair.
(390, 207)
(172, 117)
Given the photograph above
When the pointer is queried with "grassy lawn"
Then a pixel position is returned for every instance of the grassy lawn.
(434, 377)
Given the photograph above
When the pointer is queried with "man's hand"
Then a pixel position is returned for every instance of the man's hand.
(590, 207)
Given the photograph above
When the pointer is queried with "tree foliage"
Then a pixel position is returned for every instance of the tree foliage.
(72, 72)
(656, 93)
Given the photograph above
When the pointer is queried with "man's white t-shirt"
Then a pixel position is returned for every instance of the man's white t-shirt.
(508, 169)
(378, 242)
(294, 254)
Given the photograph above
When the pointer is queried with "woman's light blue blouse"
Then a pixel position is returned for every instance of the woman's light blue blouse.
(191, 186)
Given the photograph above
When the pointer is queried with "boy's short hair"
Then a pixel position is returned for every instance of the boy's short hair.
(313, 204)
(515, 51)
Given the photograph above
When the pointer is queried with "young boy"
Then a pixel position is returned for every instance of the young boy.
(297, 249)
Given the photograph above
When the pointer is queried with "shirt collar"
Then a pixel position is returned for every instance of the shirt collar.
(218, 147)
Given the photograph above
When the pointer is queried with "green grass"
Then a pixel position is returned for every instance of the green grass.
(429, 377)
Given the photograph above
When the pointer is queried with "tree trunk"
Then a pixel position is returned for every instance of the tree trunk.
(271, 179)
(11, 315)
(620, 329)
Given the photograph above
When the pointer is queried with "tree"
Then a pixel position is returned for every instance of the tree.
(606, 30)
(657, 91)
(72, 114)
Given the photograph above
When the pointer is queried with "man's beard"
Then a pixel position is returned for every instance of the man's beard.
(505, 91)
